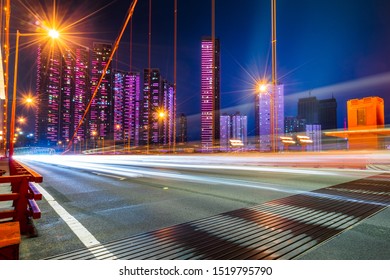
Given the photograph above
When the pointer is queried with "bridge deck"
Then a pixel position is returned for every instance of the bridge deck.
(280, 229)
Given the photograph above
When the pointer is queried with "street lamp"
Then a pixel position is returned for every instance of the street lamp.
(270, 90)
(161, 117)
(53, 34)
(117, 128)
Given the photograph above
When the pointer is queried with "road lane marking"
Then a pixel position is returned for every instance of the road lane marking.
(78, 229)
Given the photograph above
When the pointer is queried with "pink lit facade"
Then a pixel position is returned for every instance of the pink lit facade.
(263, 117)
(67, 91)
(162, 100)
(210, 94)
(133, 122)
(127, 106)
(102, 109)
(81, 91)
(48, 90)
(152, 100)
(233, 127)
(170, 113)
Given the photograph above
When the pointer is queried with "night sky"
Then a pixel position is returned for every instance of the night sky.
(325, 47)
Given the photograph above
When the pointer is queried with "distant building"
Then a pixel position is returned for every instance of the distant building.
(233, 127)
(183, 129)
(366, 124)
(313, 131)
(294, 124)
(127, 106)
(240, 128)
(225, 132)
(101, 113)
(263, 118)
(48, 92)
(169, 109)
(68, 75)
(328, 113)
(81, 92)
(159, 109)
(62, 91)
(210, 94)
(308, 109)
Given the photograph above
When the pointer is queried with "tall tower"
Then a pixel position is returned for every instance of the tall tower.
(263, 116)
(101, 111)
(81, 90)
(240, 128)
(67, 96)
(127, 106)
(225, 131)
(210, 93)
(48, 90)
(152, 100)
(169, 113)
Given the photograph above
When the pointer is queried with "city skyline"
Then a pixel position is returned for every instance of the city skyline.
(240, 67)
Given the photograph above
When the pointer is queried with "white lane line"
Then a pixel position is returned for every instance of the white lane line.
(111, 176)
(79, 230)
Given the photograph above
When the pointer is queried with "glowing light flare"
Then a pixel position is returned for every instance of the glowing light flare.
(22, 120)
(54, 34)
(262, 88)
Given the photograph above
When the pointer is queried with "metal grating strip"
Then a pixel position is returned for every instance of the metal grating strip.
(279, 229)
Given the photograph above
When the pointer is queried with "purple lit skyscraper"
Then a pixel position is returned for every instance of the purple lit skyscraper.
(159, 109)
(127, 106)
(48, 90)
(263, 117)
(210, 93)
(67, 92)
(81, 90)
(170, 113)
(102, 109)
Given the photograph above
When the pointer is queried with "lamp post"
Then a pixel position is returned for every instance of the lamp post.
(117, 128)
(161, 132)
(53, 34)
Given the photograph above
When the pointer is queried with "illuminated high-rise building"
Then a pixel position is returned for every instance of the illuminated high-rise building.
(127, 109)
(210, 93)
(67, 92)
(151, 103)
(263, 117)
(159, 109)
(81, 92)
(313, 131)
(62, 90)
(48, 90)
(233, 127)
(240, 128)
(169, 113)
(225, 131)
(101, 114)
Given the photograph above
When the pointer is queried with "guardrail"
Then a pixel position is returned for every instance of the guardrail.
(20, 211)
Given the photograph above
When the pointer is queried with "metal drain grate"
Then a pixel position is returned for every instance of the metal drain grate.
(279, 229)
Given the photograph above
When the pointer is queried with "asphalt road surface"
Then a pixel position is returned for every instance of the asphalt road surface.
(100, 199)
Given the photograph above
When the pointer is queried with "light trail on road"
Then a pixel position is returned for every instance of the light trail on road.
(174, 167)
